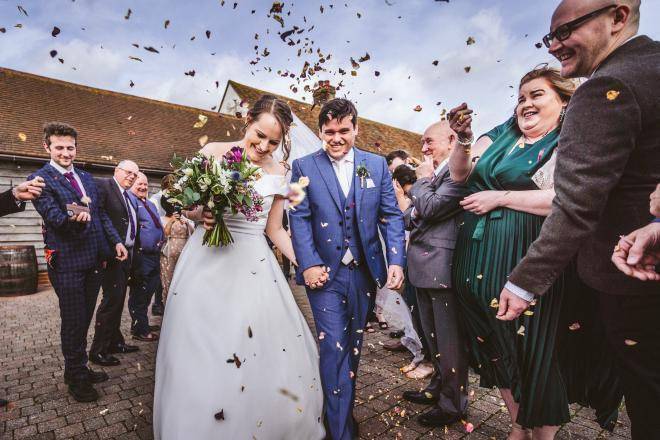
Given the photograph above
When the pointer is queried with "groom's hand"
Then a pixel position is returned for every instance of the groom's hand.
(395, 277)
(315, 276)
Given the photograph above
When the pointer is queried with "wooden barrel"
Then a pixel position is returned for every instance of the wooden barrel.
(18, 270)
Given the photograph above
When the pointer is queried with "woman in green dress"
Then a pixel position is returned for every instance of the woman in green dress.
(509, 174)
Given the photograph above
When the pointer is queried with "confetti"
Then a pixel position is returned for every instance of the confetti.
(418, 108)
(289, 394)
(480, 276)
(528, 313)
(467, 69)
(104, 411)
(574, 326)
(612, 95)
(55, 32)
(470, 41)
(494, 303)
(201, 121)
(630, 342)
(521, 330)
(203, 140)
(22, 137)
(220, 415)
(249, 332)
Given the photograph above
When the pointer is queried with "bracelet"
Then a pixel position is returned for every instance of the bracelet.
(465, 143)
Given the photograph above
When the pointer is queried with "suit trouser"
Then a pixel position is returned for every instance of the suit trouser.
(143, 285)
(108, 316)
(77, 293)
(340, 311)
(438, 310)
(410, 297)
(633, 332)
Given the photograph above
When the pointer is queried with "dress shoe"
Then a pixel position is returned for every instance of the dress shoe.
(157, 309)
(97, 376)
(123, 348)
(421, 397)
(394, 345)
(149, 337)
(396, 334)
(92, 376)
(104, 359)
(437, 417)
(83, 391)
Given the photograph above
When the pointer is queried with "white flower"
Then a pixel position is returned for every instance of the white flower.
(177, 186)
(210, 204)
(188, 171)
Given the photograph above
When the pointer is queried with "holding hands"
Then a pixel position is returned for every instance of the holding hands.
(315, 276)
(29, 190)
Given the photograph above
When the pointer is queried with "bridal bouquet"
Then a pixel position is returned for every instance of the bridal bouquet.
(217, 185)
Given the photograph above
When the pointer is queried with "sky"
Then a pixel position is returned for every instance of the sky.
(418, 51)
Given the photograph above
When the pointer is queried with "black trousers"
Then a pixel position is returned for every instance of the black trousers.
(438, 311)
(632, 328)
(144, 283)
(77, 292)
(108, 316)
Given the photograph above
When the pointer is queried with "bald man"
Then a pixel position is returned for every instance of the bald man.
(433, 218)
(122, 210)
(608, 162)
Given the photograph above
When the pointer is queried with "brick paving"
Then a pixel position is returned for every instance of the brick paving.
(31, 369)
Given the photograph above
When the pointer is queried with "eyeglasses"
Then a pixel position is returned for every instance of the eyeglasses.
(129, 173)
(565, 30)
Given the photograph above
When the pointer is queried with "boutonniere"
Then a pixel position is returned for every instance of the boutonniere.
(363, 173)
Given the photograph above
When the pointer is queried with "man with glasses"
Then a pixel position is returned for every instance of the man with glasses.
(121, 208)
(608, 162)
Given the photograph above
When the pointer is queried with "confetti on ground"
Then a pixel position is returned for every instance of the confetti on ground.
(612, 95)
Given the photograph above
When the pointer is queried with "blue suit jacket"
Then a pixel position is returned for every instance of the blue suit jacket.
(315, 223)
(76, 246)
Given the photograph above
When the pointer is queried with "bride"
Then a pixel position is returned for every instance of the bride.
(236, 359)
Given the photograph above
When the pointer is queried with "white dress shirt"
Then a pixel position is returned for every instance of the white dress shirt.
(344, 169)
(128, 241)
(63, 171)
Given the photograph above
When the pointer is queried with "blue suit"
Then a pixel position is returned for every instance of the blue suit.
(324, 226)
(76, 252)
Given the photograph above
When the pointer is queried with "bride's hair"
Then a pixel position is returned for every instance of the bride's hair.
(282, 112)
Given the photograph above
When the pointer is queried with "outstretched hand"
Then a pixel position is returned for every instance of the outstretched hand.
(460, 120)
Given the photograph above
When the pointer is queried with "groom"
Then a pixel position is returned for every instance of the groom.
(337, 245)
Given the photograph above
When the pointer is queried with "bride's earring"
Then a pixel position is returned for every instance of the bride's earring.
(562, 114)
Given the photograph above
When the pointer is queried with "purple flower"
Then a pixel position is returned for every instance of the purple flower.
(235, 155)
(235, 175)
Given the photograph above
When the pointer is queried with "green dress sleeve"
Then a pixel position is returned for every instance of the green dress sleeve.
(499, 130)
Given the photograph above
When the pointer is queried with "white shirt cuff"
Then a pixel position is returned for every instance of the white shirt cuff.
(519, 292)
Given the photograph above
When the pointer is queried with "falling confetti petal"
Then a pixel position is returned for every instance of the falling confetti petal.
(470, 41)
(574, 326)
(521, 330)
(630, 342)
(55, 31)
(22, 137)
(612, 95)
(418, 108)
(201, 122)
(220, 415)
(494, 303)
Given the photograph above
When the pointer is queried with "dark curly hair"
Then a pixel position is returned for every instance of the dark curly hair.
(338, 109)
(59, 129)
(281, 111)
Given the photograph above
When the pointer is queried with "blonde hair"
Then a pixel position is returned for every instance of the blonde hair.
(565, 87)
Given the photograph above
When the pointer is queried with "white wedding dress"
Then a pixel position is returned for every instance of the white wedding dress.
(236, 359)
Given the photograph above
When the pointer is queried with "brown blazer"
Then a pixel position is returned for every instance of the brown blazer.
(608, 163)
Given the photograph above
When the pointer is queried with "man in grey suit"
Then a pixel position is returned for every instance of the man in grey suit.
(433, 219)
(608, 162)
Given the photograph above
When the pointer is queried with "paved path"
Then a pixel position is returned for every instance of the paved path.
(31, 379)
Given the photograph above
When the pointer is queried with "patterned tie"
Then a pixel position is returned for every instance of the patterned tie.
(130, 215)
(154, 219)
(74, 183)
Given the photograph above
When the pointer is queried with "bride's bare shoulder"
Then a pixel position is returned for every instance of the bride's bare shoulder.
(216, 149)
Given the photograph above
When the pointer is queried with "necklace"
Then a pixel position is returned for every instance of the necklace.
(520, 143)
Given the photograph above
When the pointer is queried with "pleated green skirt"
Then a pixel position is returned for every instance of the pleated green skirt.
(552, 355)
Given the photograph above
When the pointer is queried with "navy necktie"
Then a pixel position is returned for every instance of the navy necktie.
(130, 215)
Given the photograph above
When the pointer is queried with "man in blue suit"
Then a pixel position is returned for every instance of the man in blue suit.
(76, 244)
(335, 233)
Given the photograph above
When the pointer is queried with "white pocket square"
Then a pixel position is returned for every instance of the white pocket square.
(370, 183)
